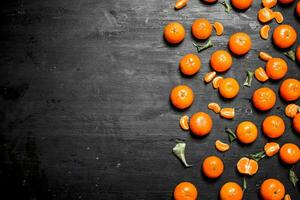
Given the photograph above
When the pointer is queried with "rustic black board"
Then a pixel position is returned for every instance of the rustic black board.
(84, 109)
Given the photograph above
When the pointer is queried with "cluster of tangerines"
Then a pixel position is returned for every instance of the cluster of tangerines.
(263, 99)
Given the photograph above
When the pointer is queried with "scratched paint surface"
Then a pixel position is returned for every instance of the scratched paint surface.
(84, 109)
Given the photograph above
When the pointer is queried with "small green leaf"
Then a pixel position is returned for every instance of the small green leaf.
(244, 183)
(257, 156)
(227, 6)
(231, 135)
(291, 55)
(179, 152)
(293, 177)
(203, 47)
(249, 79)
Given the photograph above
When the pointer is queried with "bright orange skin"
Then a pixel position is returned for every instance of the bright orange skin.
(210, 1)
(273, 126)
(264, 98)
(231, 191)
(201, 29)
(241, 4)
(185, 191)
(229, 88)
(220, 61)
(284, 36)
(213, 167)
(272, 189)
(174, 33)
(298, 48)
(290, 89)
(246, 132)
(276, 68)
(289, 153)
(286, 1)
(190, 64)
(271, 148)
(240, 43)
(298, 9)
(182, 96)
(296, 123)
(201, 124)
(247, 166)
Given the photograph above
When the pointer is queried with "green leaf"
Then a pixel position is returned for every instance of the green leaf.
(227, 6)
(257, 156)
(231, 135)
(293, 177)
(244, 183)
(249, 79)
(203, 47)
(291, 55)
(179, 152)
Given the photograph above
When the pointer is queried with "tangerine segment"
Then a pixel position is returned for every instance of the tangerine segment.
(264, 98)
(209, 76)
(265, 15)
(201, 124)
(272, 189)
(291, 110)
(264, 32)
(185, 191)
(190, 64)
(201, 29)
(220, 61)
(182, 96)
(296, 123)
(213, 167)
(278, 17)
(269, 3)
(180, 4)
(273, 126)
(217, 81)
(229, 88)
(284, 36)
(287, 197)
(214, 107)
(219, 28)
(265, 56)
(271, 148)
(184, 122)
(276, 68)
(221, 146)
(246, 132)
(289, 89)
(227, 113)
(261, 75)
(240, 43)
(247, 166)
(231, 191)
(174, 32)
(289, 153)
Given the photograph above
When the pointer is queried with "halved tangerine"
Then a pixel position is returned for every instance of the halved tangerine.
(247, 166)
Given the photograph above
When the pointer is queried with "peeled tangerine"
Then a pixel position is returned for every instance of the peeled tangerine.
(247, 166)
(265, 15)
(291, 110)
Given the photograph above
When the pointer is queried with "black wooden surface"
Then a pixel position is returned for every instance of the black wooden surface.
(84, 109)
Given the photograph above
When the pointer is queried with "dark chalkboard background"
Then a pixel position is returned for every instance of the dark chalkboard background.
(84, 109)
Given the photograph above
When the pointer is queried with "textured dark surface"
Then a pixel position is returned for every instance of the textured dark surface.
(84, 109)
